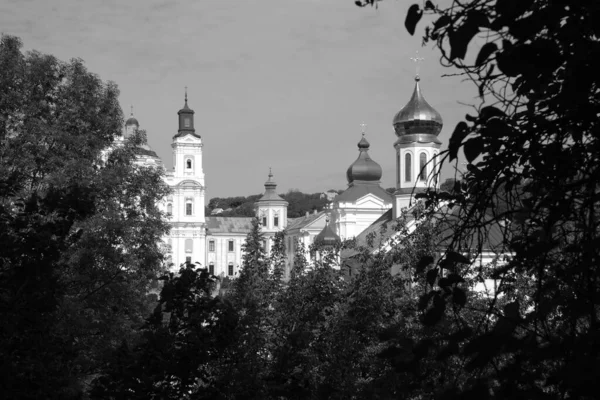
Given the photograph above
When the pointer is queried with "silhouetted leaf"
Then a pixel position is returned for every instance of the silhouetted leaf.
(460, 132)
(457, 258)
(486, 51)
(459, 297)
(473, 148)
(429, 5)
(432, 275)
(441, 22)
(455, 278)
(423, 263)
(413, 17)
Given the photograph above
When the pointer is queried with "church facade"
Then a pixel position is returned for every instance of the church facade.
(216, 242)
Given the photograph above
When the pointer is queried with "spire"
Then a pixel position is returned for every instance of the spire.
(364, 168)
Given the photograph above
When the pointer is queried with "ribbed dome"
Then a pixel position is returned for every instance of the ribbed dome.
(327, 237)
(418, 117)
(364, 168)
(132, 121)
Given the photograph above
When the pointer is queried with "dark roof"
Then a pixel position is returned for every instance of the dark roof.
(384, 227)
(356, 190)
(327, 237)
(228, 225)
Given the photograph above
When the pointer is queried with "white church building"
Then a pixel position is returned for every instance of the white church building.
(216, 242)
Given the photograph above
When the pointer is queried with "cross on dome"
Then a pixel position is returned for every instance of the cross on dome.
(416, 59)
(363, 126)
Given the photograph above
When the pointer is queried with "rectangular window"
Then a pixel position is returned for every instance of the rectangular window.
(211, 245)
(230, 248)
(189, 244)
(230, 269)
(188, 209)
(264, 222)
(211, 269)
(187, 123)
(188, 259)
(276, 221)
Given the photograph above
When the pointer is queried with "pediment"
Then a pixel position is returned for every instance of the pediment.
(189, 184)
(370, 201)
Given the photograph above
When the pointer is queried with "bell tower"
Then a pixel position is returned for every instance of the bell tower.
(417, 126)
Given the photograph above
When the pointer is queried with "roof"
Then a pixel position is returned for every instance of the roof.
(145, 150)
(216, 225)
(183, 133)
(359, 189)
(301, 222)
(384, 228)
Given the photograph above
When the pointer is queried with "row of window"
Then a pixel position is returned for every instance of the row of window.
(189, 209)
(275, 221)
(230, 245)
(408, 166)
(211, 269)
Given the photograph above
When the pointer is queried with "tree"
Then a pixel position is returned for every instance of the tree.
(182, 341)
(79, 235)
(533, 173)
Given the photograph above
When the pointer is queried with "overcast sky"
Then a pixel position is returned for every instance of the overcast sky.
(280, 83)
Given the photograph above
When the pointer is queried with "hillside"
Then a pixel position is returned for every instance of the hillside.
(240, 206)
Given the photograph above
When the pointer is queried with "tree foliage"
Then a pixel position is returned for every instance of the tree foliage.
(532, 175)
(79, 230)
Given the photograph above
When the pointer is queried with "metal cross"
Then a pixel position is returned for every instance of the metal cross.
(416, 59)
(132, 109)
(364, 128)
(186, 94)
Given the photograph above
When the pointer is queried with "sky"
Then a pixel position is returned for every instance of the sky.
(274, 83)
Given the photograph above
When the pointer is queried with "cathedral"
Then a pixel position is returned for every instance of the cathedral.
(216, 242)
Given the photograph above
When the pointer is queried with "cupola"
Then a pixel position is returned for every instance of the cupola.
(364, 168)
(327, 237)
(417, 121)
(270, 189)
(186, 118)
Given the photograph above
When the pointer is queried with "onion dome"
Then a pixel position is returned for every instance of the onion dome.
(132, 120)
(364, 168)
(327, 237)
(417, 121)
(270, 189)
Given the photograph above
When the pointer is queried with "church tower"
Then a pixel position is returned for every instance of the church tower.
(417, 126)
(364, 201)
(186, 205)
(131, 125)
(271, 211)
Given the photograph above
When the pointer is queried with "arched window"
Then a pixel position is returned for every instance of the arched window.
(398, 168)
(422, 166)
(187, 122)
(188, 163)
(435, 169)
(170, 209)
(188, 245)
(407, 167)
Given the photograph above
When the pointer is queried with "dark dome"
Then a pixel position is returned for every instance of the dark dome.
(132, 121)
(417, 117)
(364, 168)
(327, 236)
